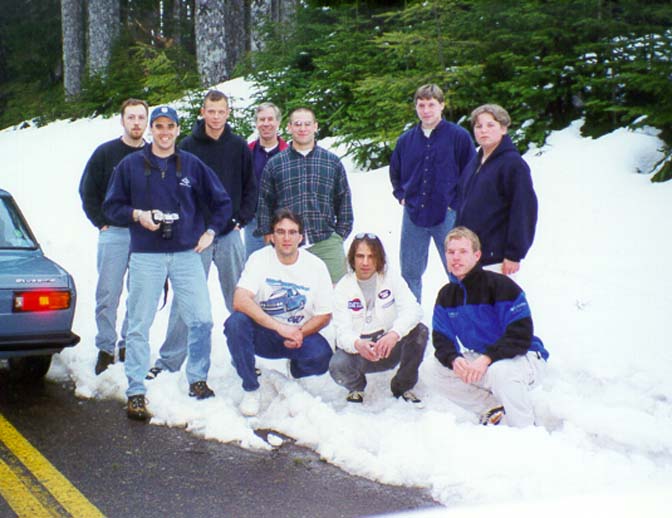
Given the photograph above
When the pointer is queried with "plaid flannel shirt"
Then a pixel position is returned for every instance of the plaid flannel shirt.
(314, 186)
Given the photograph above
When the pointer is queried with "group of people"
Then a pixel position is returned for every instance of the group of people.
(273, 217)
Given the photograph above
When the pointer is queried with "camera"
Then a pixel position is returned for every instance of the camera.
(165, 220)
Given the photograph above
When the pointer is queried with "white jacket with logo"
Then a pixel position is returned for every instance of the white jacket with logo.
(395, 309)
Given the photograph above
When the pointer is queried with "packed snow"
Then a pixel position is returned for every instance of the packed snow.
(597, 278)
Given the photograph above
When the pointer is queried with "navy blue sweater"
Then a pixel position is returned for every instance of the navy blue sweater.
(144, 181)
(96, 178)
(231, 160)
(497, 201)
(490, 315)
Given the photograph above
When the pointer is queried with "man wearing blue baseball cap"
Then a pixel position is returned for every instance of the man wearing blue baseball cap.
(162, 193)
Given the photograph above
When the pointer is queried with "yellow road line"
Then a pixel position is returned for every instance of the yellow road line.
(18, 496)
(46, 474)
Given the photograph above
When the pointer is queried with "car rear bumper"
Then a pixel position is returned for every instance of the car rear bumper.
(30, 345)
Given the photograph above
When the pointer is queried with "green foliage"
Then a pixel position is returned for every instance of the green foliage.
(547, 62)
(155, 74)
(664, 168)
(29, 59)
(144, 63)
(357, 63)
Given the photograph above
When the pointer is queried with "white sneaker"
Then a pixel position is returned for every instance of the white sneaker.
(250, 404)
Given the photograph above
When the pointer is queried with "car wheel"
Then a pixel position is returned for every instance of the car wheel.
(30, 368)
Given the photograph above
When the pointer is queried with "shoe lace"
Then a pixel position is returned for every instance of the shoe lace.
(137, 402)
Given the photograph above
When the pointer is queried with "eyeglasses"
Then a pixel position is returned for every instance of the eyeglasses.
(282, 232)
(367, 235)
(305, 124)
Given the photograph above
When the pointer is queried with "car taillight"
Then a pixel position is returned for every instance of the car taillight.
(41, 300)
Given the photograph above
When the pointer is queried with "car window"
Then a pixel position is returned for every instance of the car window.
(13, 233)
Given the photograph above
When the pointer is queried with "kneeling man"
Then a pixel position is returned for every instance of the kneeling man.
(501, 359)
(282, 300)
(377, 322)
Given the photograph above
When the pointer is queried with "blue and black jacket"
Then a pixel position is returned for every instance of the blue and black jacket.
(488, 313)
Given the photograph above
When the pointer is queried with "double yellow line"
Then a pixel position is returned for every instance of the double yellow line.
(32, 486)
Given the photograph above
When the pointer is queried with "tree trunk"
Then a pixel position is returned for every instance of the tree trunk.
(103, 29)
(73, 46)
(236, 32)
(212, 52)
(263, 11)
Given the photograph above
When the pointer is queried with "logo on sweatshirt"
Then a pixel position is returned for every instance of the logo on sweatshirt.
(355, 305)
(185, 182)
(384, 294)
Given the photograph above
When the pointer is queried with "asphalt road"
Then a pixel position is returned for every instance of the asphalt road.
(130, 469)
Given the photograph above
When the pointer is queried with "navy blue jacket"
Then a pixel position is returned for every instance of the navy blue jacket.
(425, 171)
(488, 312)
(145, 181)
(96, 178)
(497, 201)
(231, 160)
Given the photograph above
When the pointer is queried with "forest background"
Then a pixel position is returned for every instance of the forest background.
(357, 63)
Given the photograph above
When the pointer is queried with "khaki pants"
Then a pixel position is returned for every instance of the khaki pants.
(330, 250)
(506, 383)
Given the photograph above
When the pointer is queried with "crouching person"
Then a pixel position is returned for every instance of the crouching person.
(489, 315)
(282, 301)
(377, 321)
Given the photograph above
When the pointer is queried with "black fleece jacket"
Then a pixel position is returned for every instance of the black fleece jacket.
(231, 160)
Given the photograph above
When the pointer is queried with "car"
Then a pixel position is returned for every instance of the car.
(37, 298)
(284, 300)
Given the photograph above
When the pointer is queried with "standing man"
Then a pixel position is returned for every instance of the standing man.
(163, 194)
(377, 322)
(227, 154)
(310, 181)
(113, 240)
(282, 301)
(424, 170)
(266, 146)
(500, 359)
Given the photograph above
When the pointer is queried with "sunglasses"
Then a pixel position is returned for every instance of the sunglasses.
(367, 235)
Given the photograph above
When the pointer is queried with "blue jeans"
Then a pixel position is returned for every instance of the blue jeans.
(252, 242)
(246, 339)
(227, 253)
(147, 274)
(112, 263)
(414, 249)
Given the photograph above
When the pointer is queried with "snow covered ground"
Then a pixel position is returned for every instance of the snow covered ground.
(600, 288)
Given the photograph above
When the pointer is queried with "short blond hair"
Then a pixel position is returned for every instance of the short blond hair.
(463, 232)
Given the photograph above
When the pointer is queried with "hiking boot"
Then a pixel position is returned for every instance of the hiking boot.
(200, 390)
(136, 408)
(410, 397)
(249, 406)
(104, 361)
(153, 373)
(493, 416)
(355, 396)
(122, 354)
